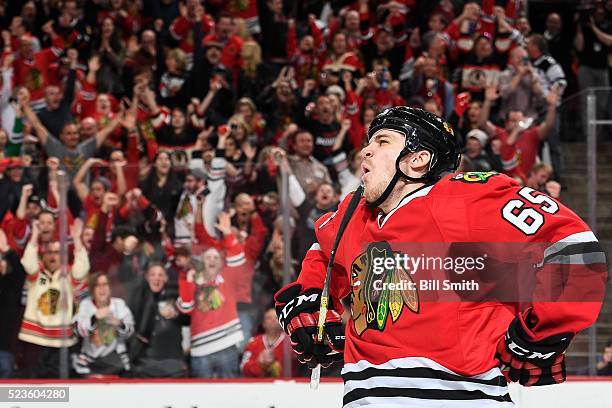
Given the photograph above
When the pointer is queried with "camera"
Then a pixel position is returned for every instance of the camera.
(585, 10)
(203, 194)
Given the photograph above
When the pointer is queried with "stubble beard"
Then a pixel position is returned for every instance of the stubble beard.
(373, 189)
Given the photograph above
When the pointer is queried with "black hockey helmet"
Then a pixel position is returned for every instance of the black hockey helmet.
(422, 131)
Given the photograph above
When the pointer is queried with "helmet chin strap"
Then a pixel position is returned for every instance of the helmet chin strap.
(398, 174)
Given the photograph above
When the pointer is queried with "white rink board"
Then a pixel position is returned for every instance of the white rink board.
(280, 394)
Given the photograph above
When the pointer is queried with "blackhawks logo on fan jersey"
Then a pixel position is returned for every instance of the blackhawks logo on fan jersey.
(378, 292)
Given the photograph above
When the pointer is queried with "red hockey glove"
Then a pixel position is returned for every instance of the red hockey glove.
(298, 314)
(533, 363)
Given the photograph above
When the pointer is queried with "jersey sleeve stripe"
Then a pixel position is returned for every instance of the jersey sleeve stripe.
(586, 236)
(579, 259)
(328, 220)
(315, 247)
(236, 260)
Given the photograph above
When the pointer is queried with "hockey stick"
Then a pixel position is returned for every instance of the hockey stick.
(315, 377)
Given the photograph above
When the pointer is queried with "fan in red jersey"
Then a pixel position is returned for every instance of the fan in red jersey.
(409, 345)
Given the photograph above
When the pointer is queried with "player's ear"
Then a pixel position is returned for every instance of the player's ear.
(418, 163)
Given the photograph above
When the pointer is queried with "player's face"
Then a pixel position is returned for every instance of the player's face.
(378, 164)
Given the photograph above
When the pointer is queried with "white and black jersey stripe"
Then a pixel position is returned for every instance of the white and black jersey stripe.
(421, 382)
(217, 339)
(581, 248)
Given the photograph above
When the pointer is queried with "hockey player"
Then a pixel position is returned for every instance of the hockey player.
(405, 349)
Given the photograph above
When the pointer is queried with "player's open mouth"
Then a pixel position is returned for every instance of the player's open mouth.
(365, 171)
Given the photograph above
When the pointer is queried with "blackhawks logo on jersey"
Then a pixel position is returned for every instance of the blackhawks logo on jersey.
(48, 302)
(474, 176)
(378, 292)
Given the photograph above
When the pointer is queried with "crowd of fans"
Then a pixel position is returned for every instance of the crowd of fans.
(174, 122)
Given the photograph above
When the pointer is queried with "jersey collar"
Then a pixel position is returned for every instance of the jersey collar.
(421, 192)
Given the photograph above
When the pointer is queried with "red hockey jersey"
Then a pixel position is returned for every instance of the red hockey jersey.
(411, 346)
(213, 305)
(250, 365)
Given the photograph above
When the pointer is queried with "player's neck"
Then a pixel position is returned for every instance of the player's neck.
(402, 189)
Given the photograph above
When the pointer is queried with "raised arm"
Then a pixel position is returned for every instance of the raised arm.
(601, 36)
(7, 80)
(214, 87)
(103, 133)
(491, 95)
(26, 193)
(579, 39)
(41, 130)
(549, 122)
(29, 260)
(121, 181)
(79, 180)
(53, 165)
(80, 267)
(346, 125)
